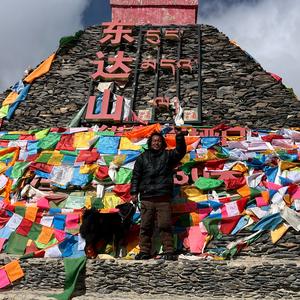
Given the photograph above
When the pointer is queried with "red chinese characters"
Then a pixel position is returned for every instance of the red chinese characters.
(105, 114)
(116, 32)
(118, 69)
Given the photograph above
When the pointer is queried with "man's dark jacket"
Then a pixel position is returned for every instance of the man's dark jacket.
(153, 171)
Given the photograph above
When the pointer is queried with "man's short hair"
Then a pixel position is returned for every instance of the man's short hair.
(163, 141)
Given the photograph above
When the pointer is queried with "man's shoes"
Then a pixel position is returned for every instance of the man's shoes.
(142, 256)
(169, 256)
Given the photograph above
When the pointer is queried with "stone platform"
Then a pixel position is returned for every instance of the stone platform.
(247, 277)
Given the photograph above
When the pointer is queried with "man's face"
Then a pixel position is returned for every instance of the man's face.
(156, 142)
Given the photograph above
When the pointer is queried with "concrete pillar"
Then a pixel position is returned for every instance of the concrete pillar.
(155, 12)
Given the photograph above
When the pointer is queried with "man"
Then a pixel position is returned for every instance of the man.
(152, 178)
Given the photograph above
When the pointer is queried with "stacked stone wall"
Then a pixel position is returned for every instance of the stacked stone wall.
(235, 88)
(238, 279)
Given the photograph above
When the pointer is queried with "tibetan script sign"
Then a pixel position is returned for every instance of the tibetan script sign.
(148, 66)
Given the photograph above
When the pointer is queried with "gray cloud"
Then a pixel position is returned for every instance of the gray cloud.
(266, 29)
(30, 31)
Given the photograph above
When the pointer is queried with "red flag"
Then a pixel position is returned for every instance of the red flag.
(66, 142)
(102, 172)
(228, 224)
(87, 156)
(123, 191)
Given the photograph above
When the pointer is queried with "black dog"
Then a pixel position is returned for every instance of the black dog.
(99, 227)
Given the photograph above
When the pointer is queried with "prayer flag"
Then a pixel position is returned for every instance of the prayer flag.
(16, 244)
(123, 191)
(42, 69)
(195, 239)
(73, 267)
(45, 235)
(108, 144)
(10, 99)
(142, 132)
(123, 176)
(66, 142)
(49, 141)
(126, 144)
(4, 280)
(205, 184)
(59, 222)
(278, 232)
(82, 139)
(72, 221)
(24, 227)
(53, 251)
(14, 271)
(30, 213)
(35, 231)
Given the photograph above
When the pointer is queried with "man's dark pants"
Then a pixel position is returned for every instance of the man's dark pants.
(149, 211)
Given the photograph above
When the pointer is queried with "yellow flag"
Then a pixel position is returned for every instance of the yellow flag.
(126, 144)
(82, 139)
(88, 169)
(278, 232)
(56, 159)
(110, 200)
(10, 99)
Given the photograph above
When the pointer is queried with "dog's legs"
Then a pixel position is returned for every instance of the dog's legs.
(119, 242)
(90, 251)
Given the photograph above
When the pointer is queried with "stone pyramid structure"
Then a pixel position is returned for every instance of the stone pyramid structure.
(227, 83)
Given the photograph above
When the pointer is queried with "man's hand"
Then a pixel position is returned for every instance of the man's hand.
(178, 131)
(134, 199)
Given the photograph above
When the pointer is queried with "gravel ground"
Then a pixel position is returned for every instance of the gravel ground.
(130, 296)
(41, 295)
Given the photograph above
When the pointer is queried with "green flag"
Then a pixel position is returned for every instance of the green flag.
(105, 133)
(49, 142)
(43, 158)
(4, 111)
(42, 133)
(97, 203)
(75, 122)
(206, 184)
(108, 159)
(188, 166)
(73, 267)
(124, 176)
(18, 169)
(20, 210)
(16, 244)
(212, 227)
(10, 137)
(35, 231)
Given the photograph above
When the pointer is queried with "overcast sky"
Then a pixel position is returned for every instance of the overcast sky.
(267, 29)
